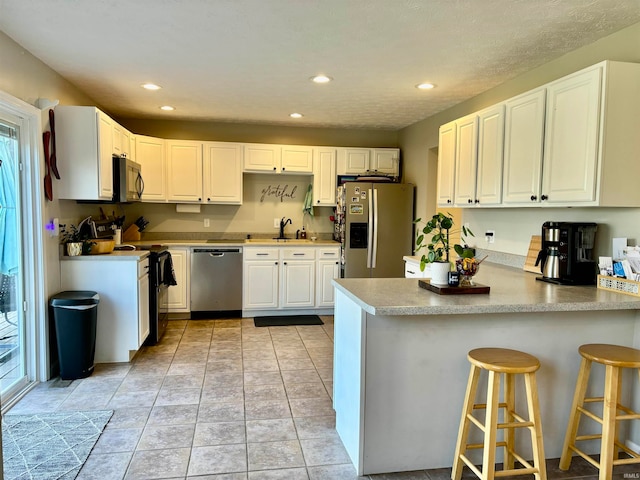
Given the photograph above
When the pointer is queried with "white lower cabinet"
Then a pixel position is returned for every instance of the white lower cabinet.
(260, 278)
(144, 326)
(122, 282)
(412, 268)
(327, 268)
(289, 278)
(179, 297)
(297, 278)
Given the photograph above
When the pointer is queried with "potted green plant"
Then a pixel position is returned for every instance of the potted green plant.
(435, 237)
(76, 242)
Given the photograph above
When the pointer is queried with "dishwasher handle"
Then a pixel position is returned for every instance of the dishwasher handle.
(217, 252)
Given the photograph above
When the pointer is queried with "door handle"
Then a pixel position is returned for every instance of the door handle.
(370, 232)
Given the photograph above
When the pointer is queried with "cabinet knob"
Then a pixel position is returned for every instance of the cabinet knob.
(276, 263)
(274, 169)
(208, 199)
(543, 197)
(469, 201)
(283, 169)
(284, 263)
(449, 201)
(477, 201)
(533, 198)
(199, 199)
(317, 201)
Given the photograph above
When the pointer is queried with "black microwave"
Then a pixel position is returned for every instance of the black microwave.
(128, 185)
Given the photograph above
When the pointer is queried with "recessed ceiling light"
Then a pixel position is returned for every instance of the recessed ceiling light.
(425, 86)
(151, 86)
(167, 108)
(321, 79)
(296, 115)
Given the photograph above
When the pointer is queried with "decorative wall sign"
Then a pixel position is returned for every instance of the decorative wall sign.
(278, 191)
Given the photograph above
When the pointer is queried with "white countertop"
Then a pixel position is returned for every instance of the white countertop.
(512, 290)
(116, 255)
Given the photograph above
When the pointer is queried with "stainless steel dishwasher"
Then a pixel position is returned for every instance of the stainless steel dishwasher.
(216, 279)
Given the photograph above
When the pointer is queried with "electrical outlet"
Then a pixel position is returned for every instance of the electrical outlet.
(207, 223)
(276, 223)
(490, 236)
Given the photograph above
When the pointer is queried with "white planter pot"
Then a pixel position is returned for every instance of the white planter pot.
(74, 249)
(440, 273)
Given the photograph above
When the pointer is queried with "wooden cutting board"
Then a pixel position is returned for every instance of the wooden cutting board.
(534, 247)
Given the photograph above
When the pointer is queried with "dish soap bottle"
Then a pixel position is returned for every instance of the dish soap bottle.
(303, 233)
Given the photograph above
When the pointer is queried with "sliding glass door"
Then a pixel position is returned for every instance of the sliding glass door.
(13, 341)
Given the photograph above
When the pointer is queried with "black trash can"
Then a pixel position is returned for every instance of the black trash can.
(75, 316)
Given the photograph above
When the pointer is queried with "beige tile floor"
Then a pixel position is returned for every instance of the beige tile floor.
(216, 399)
(222, 399)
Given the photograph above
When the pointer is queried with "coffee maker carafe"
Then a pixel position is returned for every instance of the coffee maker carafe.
(549, 257)
(566, 256)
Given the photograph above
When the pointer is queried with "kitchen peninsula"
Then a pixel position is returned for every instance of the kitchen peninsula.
(400, 361)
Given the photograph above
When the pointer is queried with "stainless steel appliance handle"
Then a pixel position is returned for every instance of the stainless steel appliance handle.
(374, 255)
(139, 185)
(370, 232)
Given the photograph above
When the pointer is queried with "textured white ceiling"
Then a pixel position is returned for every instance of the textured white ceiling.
(250, 60)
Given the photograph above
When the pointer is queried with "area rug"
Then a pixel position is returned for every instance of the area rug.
(50, 445)
(284, 320)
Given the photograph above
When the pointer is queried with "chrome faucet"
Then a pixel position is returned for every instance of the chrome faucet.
(283, 224)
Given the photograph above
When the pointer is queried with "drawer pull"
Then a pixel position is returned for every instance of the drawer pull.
(298, 254)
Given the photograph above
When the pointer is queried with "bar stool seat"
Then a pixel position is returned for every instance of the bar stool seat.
(500, 362)
(614, 358)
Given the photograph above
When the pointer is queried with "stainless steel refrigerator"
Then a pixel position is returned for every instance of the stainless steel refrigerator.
(378, 221)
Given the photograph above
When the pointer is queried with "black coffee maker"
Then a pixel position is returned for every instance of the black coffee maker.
(566, 256)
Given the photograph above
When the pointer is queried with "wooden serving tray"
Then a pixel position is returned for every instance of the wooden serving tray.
(447, 290)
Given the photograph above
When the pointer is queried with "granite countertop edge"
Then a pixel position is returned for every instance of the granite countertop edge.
(512, 291)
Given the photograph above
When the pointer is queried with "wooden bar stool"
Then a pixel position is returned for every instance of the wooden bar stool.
(614, 358)
(499, 361)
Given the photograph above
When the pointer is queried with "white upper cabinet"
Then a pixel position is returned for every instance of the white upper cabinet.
(466, 156)
(470, 159)
(354, 160)
(385, 160)
(122, 141)
(571, 143)
(262, 157)
(150, 153)
(296, 159)
(184, 171)
(588, 134)
(446, 164)
(490, 155)
(268, 158)
(84, 150)
(523, 144)
(105, 146)
(363, 161)
(617, 137)
(222, 173)
(324, 177)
